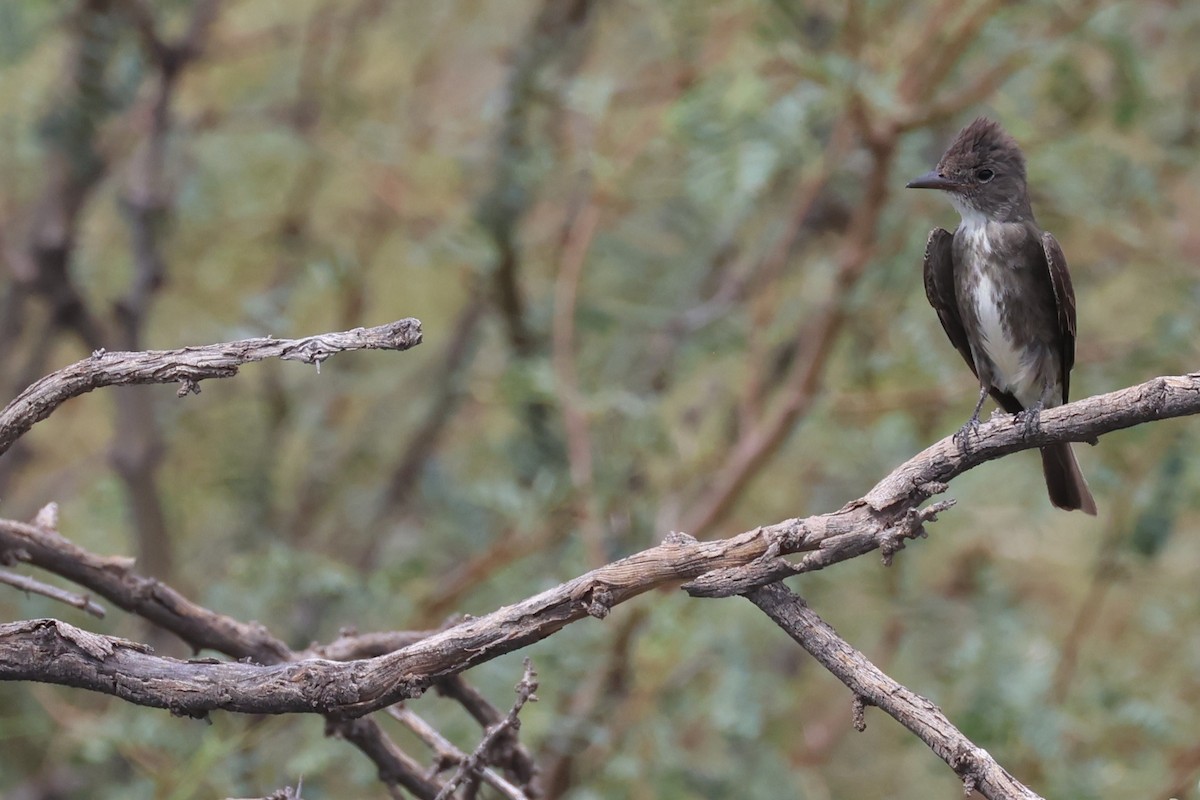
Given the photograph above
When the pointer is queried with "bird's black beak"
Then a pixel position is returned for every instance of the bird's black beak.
(931, 180)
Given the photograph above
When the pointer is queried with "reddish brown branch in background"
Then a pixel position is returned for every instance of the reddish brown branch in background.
(1185, 770)
(38, 250)
(74, 166)
(578, 240)
(768, 298)
(870, 686)
(472, 569)
(559, 33)
(1083, 622)
(942, 45)
(75, 163)
(826, 724)
(923, 72)
(602, 699)
(751, 452)
(333, 34)
(453, 364)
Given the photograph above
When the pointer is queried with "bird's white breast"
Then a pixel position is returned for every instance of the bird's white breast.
(1013, 368)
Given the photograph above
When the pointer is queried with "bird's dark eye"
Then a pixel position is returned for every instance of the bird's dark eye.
(984, 175)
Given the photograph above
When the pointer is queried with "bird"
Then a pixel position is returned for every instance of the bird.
(1002, 291)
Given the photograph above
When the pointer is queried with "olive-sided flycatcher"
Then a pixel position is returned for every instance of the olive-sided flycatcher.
(1001, 289)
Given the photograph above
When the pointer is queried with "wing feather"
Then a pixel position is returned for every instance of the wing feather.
(1064, 301)
(939, 289)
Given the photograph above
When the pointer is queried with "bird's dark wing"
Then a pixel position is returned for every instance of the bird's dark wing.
(1064, 301)
(939, 288)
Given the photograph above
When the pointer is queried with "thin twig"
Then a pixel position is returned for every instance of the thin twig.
(32, 586)
(517, 760)
(469, 768)
(286, 793)
(448, 754)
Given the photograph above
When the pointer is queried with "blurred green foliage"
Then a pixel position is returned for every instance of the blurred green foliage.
(341, 164)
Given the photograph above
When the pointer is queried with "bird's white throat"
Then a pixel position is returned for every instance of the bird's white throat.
(972, 217)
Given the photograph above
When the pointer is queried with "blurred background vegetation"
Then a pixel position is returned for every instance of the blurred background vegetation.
(669, 281)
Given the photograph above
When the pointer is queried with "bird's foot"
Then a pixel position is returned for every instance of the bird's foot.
(1031, 418)
(963, 438)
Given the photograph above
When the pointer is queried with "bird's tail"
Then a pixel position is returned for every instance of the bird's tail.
(1064, 482)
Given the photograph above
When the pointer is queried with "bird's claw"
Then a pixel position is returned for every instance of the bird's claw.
(1031, 419)
(963, 437)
